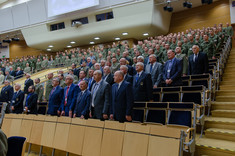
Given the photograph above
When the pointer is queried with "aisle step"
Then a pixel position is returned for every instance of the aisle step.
(223, 113)
(222, 134)
(225, 98)
(219, 122)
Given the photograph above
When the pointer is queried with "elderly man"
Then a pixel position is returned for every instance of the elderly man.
(108, 76)
(100, 97)
(198, 62)
(7, 94)
(83, 101)
(127, 77)
(17, 100)
(2, 77)
(19, 73)
(28, 82)
(131, 70)
(122, 99)
(172, 70)
(69, 97)
(55, 97)
(155, 69)
(8, 76)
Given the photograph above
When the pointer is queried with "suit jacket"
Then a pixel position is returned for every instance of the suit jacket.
(131, 70)
(156, 73)
(101, 100)
(175, 73)
(184, 61)
(55, 99)
(9, 77)
(12, 73)
(71, 98)
(200, 66)
(17, 101)
(129, 78)
(109, 79)
(6, 94)
(91, 81)
(76, 72)
(143, 88)
(122, 101)
(19, 74)
(32, 104)
(82, 104)
(27, 83)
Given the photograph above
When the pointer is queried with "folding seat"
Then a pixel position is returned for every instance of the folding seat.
(171, 94)
(185, 80)
(42, 108)
(203, 79)
(156, 112)
(157, 94)
(194, 94)
(26, 126)
(139, 111)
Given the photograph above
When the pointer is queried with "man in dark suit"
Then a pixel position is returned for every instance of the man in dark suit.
(91, 80)
(122, 99)
(198, 62)
(12, 72)
(127, 77)
(17, 100)
(155, 69)
(55, 97)
(31, 101)
(28, 82)
(19, 73)
(100, 97)
(142, 84)
(83, 101)
(108, 76)
(7, 94)
(69, 97)
(75, 70)
(172, 70)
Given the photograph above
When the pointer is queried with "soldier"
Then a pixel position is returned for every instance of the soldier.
(49, 86)
(190, 44)
(115, 65)
(44, 63)
(38, 65)
(27, 69)
(84, 67)
(39, 89)
(182, 57)
(208, 47)
(67, 61)
(62, 82)
(57, 60)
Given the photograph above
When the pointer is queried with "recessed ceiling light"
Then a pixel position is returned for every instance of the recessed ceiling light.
(51, 46)
(125, 33)
(96, 38)
(145, 34)
(69, 46)
(72, 42)
(92, 42)
(117, 38)
(48, 49)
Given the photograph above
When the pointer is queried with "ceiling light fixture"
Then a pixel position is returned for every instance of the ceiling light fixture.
(50, 46)
(72, 42)
(48, 49)
(125, 33)
(117, 38)
(145, 34)
(96, 38)
(92, 42)
(69, 46)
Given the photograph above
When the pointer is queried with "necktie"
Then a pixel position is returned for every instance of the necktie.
(65, 100)
(151, 68)
(137, 77)
(52, 91)
(116, 88)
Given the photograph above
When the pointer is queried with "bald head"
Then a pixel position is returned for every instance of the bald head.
(118, 76)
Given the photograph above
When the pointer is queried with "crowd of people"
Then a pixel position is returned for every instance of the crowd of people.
(104, 82)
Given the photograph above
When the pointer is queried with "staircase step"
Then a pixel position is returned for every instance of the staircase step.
(223, 113)
(223, 105)
(222, 134)
(225, 92)
(214, 147)
(227, 87)
(219, 122)
(225, 98)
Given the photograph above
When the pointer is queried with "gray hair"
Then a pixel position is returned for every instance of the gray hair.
(140, 63)
(124, 66)
(70, 77)
(99, 71)
(17, 84)
(140, 57)
(153, 55)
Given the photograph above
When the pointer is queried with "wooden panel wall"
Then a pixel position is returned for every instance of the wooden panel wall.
(20, 48)
(202, 16)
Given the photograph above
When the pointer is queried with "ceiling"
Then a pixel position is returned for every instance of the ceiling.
(136, 33)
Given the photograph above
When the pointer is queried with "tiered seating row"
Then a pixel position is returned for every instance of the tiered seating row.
(97, 138)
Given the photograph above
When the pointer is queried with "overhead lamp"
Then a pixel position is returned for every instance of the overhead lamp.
(48, 49)
(145, 34)
(72, 42)
(187, 4)
(69, 46)
(125, 33)
(50, 46)
(92, 42)
(117, 38)
(96, 38)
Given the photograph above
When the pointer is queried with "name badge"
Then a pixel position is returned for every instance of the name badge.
(168, 71)
(13, 101)
(17, 99)
(141, 83)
